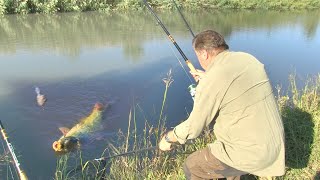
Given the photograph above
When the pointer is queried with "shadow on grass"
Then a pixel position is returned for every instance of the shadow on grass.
(299, 132)
(317, 176)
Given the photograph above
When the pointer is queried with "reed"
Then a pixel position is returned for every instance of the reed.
(61, 168)
(167, 81)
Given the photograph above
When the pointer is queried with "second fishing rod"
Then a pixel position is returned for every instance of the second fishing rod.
(21, 173)
(192, 87)
(189, 64)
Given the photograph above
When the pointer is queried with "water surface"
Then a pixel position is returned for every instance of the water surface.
(78, 59)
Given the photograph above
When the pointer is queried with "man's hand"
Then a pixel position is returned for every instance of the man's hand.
(164, 145)
(166, 141)
(197, 74)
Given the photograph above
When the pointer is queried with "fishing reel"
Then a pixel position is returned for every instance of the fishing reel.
(192, 90)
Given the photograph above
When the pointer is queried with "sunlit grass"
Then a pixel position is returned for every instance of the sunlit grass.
(300, 111)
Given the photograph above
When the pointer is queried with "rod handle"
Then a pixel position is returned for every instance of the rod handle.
(191, 67)
(23, 175)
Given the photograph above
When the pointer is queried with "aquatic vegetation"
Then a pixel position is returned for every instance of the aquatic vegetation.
(72, 138)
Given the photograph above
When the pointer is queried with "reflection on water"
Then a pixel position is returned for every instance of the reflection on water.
(78, 59)
(70, 32)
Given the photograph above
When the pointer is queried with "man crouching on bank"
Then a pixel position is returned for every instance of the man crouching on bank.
(235, 93)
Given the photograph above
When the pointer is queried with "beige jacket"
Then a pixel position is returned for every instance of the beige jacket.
(236, 93)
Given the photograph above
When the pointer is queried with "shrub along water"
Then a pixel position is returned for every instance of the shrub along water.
(300, 111)
(52, 6)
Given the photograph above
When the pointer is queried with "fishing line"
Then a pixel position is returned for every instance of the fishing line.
(192, 87)
(7, 162)
(127, 153)
(184, 69)
(103, 159)
(11, 172)
(188, 62)
(175, 54)
(182, 16)
(190, 30)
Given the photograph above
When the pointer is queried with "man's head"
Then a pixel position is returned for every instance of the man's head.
(207, 45)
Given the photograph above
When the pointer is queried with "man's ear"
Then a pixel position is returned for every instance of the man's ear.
(205, 54)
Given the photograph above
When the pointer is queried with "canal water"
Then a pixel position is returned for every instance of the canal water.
(78, 59)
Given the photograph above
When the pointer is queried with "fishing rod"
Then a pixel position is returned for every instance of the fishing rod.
(136, 151)
(182, 16)
(103, 159)
(21, 173)
(189, 64)
(192, 87)
(127, 153)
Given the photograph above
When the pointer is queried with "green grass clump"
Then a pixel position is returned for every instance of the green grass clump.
(301, 117)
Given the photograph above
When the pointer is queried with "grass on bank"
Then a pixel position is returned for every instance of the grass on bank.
(300, 111)
(53, 6)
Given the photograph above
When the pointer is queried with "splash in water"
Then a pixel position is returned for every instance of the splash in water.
(41, 98)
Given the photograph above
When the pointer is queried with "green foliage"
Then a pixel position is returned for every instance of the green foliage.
(45, 6)
(2, 7)
(129, 4)
(52, 6)
(61, 169)
(9, 6)
(22, 7)
(163, 4)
